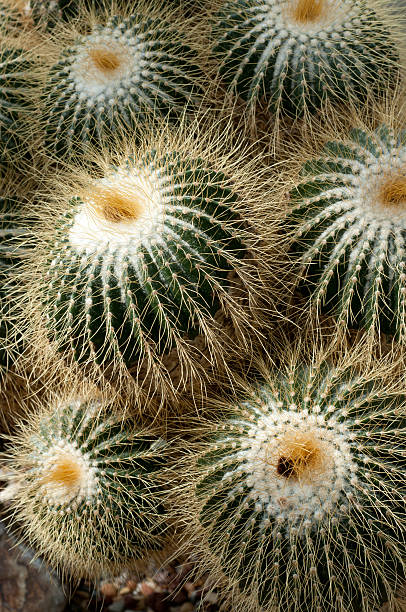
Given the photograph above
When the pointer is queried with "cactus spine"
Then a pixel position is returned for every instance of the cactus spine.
(298, 53)
(300, 493)
(117, 75)
(85, 487)
(349, 216)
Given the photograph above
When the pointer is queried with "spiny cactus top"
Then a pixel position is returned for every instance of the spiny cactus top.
(301, 493)
(14, 84)
(142, 259)
(349, 216)
(297, 53)
(86, 492)
(115, 76)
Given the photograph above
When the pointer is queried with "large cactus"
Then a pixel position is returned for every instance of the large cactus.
(298, 53)
(300, 493)
(349, 224)
(85, 487)
(117, 75)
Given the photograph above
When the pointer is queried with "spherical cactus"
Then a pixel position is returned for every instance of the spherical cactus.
(299, 491)
(86, 487)
(151, 261)
(298, 53)
(117, 75)
(349, 216)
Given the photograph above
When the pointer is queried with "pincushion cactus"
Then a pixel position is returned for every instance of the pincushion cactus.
(117, 75)
(300, 494)
(84, 487)
(348, 220)
(298, 53)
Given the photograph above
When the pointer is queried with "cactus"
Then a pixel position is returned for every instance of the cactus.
(142, 259)
(298, 53)
(348, 218)
(115, 76)
(300, 494)
(85, 487)
(48, 13)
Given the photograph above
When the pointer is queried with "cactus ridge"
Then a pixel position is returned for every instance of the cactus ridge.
(298, 54)
(14, 66)
(143, 259)
(86, 492)
(349, 217)
(301, 493)
(116, 76)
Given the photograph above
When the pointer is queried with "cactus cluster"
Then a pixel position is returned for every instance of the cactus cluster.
(298, 53)
(348, 217)
(300, 492)
(168, 387)
(87, 491)
(117, 75)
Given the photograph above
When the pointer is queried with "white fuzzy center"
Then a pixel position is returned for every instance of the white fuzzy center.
(336, 16)
(93, 230)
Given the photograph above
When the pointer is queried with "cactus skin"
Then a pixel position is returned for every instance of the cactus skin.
(263, 50)
(48, 13)
(87, 493)
(301, 493)
(13, 83)
(120, 287)
(139, 68)
(349, 221)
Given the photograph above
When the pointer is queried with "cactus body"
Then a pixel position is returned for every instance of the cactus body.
(48, 13)
(301, 494)
(142, 260)
(116, 76)
(297, 53)
(13, 102)
(86, 493)
(349, 216)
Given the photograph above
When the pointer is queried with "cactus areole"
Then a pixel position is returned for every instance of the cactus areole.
(141, 259)
(349, 217)
(297, 53)
(301, 499)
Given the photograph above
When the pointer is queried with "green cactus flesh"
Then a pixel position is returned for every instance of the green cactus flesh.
(116, 76)
(143, 260)
(349, 217)
(88, 498)
(302, 494)
(297, 53)
(48, 13)
(13, 101)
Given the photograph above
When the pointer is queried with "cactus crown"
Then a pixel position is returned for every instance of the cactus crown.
(87, 492)
(299, 496)
(119, 74)
(300, 53)
(349, 215)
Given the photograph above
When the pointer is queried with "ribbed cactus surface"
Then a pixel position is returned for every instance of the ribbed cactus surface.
(48, 13)
(117, 75)
(14, 84)
(86, 492)
(142, 260)
(297, 53)
(301, 493)
(349, 217)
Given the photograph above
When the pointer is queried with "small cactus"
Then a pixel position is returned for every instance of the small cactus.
(300, 493)
(85, 489)
(142, 259)
(298, 53)
(116, 76)
(349, 219)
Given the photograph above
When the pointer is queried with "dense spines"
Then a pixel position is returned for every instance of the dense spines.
(349, 218)
(86, 487)
(143, 260)
(297, 53)
(300, 493)
(118, 75)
